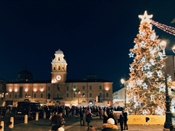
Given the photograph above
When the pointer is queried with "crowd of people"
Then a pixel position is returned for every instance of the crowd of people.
(109, 118)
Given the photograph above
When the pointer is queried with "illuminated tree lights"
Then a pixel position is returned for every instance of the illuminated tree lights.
(145, 91)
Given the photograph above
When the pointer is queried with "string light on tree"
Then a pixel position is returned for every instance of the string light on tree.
(147, 66)
(131, 55)
(142, 33)
(153, 36)
(162, 88)
(143, 59)
(152, 62)
(144, 86)
(136, 46)
(143, 44)
(131, 68)
(149, 74)
(139, 82)
(159, 73)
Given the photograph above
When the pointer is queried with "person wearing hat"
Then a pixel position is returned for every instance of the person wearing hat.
(110, 125)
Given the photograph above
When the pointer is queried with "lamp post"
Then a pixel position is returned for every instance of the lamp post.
(168, 120)
(122, 80)
(77, 91)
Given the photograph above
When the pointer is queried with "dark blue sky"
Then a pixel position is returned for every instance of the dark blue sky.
(95, 35)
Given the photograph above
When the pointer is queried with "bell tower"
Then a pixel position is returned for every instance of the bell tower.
(59, 68)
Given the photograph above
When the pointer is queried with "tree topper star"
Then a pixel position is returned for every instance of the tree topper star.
(145, 17)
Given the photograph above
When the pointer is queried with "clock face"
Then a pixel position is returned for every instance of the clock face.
(58, 77)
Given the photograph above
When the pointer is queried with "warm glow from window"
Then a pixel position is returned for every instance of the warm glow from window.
(34, 89)
(10, 90)
(26, 89)
(16, 90)
(41, 89)
(107, 88)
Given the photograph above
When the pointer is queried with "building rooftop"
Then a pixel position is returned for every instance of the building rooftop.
(67, 81)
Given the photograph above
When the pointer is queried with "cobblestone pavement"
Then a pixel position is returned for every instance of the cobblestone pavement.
(42, 125)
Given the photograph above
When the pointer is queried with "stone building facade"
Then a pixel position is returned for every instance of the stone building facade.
(59, 90)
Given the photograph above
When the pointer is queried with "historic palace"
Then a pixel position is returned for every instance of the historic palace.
(58, 90)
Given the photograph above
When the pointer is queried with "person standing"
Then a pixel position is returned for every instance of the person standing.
(125, 115)
(88, 116)
(121, 121)
(82, 117)
(105, 116)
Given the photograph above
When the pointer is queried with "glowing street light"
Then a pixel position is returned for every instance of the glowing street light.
(122, 80)
(168, 115)
(163, 46)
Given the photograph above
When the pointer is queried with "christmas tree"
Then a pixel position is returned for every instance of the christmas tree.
(145, 88)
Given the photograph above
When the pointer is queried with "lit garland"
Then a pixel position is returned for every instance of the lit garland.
(168, 29)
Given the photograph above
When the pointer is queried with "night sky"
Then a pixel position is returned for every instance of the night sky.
(95, 35)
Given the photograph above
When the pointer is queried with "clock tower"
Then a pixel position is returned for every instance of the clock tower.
(59, 68)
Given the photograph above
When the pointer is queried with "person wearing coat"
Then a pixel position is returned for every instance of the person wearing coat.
(88, 117)
(125, 115)
(121, 121)
(110, 125)
(105, 116)
(82, 117)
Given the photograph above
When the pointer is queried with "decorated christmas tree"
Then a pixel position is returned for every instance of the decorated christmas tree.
(145, 88)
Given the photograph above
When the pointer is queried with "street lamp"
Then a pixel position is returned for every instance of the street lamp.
(168, 115)
(122, 80)
(78, 93)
